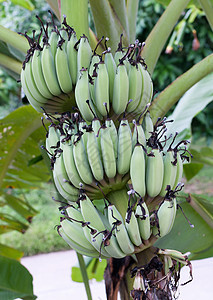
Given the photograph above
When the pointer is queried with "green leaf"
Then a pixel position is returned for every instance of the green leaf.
(20, 133)
(186, 239)
(190, 105)
(95, 269)
(202, 155)
(10, 252)
(34, 160)
(15, 280)
(24, 3)
(192, 169)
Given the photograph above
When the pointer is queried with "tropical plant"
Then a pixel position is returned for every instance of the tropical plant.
(22, 131)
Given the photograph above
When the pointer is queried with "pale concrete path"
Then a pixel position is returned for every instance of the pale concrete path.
(52, 279)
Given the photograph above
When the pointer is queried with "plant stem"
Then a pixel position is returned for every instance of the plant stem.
(170, 95)
(84, 275)
(10, 63)
(207, 7)
(132, 10)
(161, 31)
(120, 200)
(14, 39)
(77, 15)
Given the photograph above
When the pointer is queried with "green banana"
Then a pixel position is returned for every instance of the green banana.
(147, 125)
(135, 87)
(166, 216)
(111, 69)
(82, 163)
(82, 95)
(94, 61)
(49, 71)
(116, 222)
(133, 229)
(154, 173)
(108, 155)
(84, 54)
(101, 89)
(138, 134)
(72, 57)
(179, 172)
(137, 170)
(170, 171)
(120, 90)
(62, 69)
(53, 41)
(142, 215)
(114, 135)
(124, 147)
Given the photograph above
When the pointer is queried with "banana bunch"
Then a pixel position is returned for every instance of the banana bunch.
(94, 157)
(52, 67)
(101, 231)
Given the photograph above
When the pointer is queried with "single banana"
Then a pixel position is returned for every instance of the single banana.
(120, 90)
(147, 125)
(133, 229)
(38, 75)
(62, 69)
(52, 139)
(114, 135)
(179, 172)
(154, 173)
(142, 215)
(96, 125)
(119, 54)
(84, 54)
(82, 94)
(94, 156)
(170, 171)
(147, 90)
(137, 170)
(166, 216)
(53, 41)
(49, 71)
(138, 135)
(94, 61)
(111, 69)
(116, 222)
(74, 245)
(82, 163)
(124, 147)
(108, 155)
(69, 162)
(72, 57)
(101, 89)
(135, 87)
(75, 232)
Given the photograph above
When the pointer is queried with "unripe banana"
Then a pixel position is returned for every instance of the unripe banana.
(108, 154)
(135, 87)
(147, 90)
(82, 94)
(137, 170)
(101, 89)
(166, 217)
(38, 75)
(111, 69)
(94, 157)
(118, 55)
(113, 133)
(119, 230)
(76, 246)
(120, 90)
(170, 171)
(84, 54)
(69, 163)
(96, 125)
(138, 135)
(147, 125)
(53, 41)
(72, 57)
(154, 173)
(49, 71)
(142, 214)
(52, 139)
(133, 229)
(179, 172)
(62, 69)
(94, 61)
(124, 147)
(82, 163)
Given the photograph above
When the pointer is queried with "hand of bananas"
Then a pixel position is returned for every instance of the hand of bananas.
(60, 71)
(98, 144)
